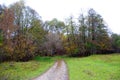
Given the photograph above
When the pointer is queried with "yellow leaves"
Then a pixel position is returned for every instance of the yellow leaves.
(1, 44)
(1, 16)
(8, 50)
(102, 45)
(20, 48)
(70, 48)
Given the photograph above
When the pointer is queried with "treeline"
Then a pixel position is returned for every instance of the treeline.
(24, 35)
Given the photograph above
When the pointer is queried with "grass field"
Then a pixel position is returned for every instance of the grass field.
(95, 67)
(23, 70)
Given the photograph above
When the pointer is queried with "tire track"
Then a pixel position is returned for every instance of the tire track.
(57, 72)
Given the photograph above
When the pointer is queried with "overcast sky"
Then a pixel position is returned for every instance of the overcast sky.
(61, 9)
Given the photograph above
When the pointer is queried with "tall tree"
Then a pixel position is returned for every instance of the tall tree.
(97, 32)
(7, 29)
(55, 30)
(71, 33)
(24, 15)
(55, 26)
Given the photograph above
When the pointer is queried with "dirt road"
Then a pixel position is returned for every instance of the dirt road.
(57, 72)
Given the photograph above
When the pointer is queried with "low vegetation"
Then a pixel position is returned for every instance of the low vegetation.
(95, 67)
(22, 70)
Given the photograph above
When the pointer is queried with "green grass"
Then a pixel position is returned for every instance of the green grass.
(23, 70)
(95, 67)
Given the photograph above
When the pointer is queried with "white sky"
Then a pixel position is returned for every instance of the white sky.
(61, 9)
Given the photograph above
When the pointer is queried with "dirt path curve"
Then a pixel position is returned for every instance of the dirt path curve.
(57, 72)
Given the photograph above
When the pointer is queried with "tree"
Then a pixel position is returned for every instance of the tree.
(55, 26)
(82, 28)
(53, 44)
(97, 32)
(18, 9)
(7, 29)
(71, 44)
(24, 16)
(25, 38)
(115, 39)
(24, 49)
(37, 33)
(55, 29)
(16, 24)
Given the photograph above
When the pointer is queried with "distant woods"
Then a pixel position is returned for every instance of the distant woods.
(24, 35)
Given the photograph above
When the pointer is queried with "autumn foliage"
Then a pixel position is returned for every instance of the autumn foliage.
(24, 35)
